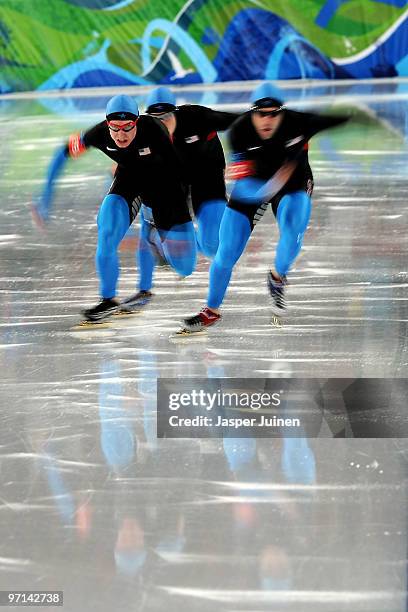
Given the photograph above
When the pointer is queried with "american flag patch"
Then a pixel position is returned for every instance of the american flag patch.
(145, 151)
(190, 139)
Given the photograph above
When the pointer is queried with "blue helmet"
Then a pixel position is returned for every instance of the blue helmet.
(265, 95)
(122, 107)
(160, 100)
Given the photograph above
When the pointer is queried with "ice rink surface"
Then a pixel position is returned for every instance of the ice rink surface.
(91, 502)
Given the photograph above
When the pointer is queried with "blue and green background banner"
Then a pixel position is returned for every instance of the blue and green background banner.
(61, 44)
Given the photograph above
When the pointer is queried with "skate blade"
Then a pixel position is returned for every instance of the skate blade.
(277, 321)
(85, 325)
(186, 334)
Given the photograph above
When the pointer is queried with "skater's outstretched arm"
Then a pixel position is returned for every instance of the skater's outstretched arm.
(42, 206)
(253, 191)
(219, 121)
(315, 123)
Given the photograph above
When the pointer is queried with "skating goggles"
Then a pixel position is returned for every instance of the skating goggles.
(271, 113)
(127, 127)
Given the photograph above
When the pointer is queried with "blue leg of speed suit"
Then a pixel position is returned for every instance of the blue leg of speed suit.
(118, 441)
(146, 258)
(292, 216)
(113, 223)
(235, 231)
(209, 217)
(298, 461)
(179, 246)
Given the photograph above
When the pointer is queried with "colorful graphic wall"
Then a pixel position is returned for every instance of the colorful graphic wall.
(52, 44)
